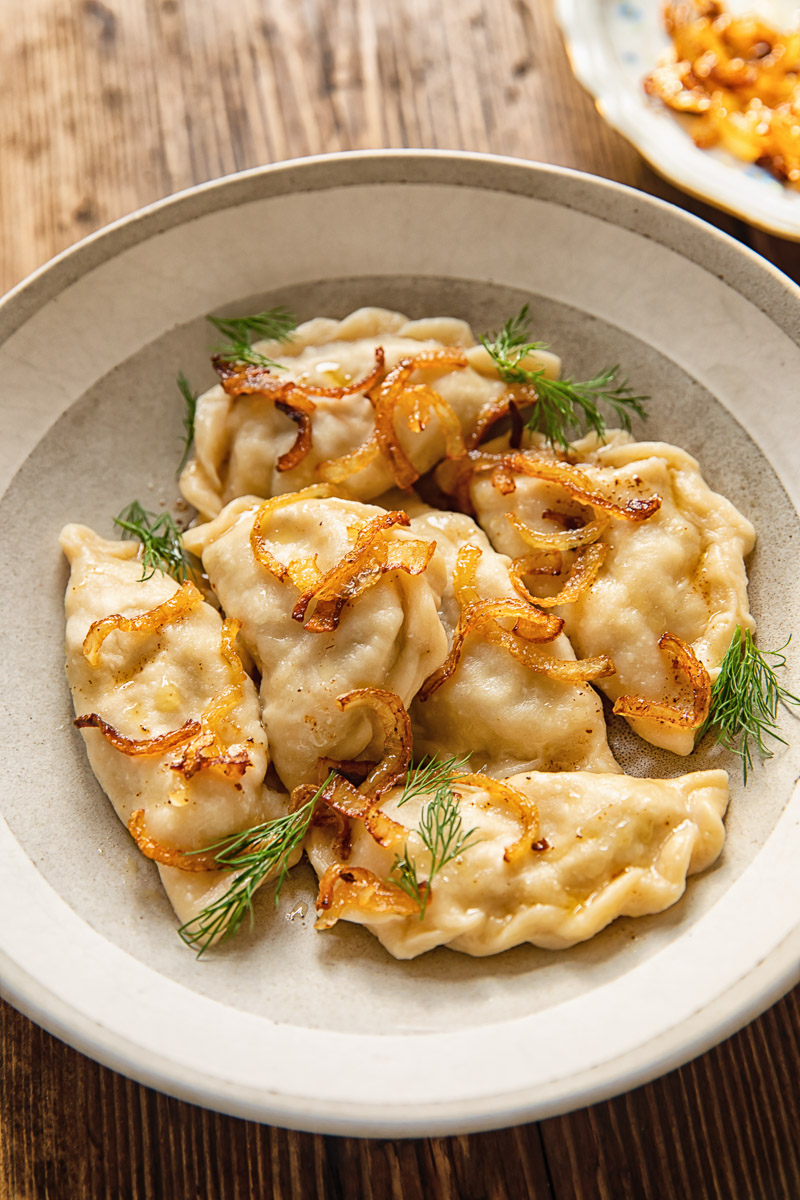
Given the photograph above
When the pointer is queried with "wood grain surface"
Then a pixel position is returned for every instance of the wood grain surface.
(106, 106)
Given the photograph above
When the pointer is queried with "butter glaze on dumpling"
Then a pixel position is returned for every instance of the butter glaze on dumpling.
(238, 440)
(148, 683)
(614, 846)
(680, 571)
(389, 637)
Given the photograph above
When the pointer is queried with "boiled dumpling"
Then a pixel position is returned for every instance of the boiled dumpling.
(238, 440)
(388, 636)
(552, 859)
(499, 713)
(179, 671)
(679, 572)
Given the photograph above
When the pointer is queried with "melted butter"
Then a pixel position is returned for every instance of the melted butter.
(167, 696)
(334, 373)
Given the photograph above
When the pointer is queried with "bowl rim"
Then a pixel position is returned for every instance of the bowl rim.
(777, 296)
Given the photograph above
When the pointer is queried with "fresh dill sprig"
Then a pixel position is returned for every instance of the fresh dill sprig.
(430, 774)
(745, 699)
(274, 325)
(190, 400)
(162, 549)
(441, 831)
(253, 854)
(562, 405)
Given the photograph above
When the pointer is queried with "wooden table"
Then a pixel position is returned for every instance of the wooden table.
(110, 104)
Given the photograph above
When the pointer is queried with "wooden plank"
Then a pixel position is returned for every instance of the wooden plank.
(106, 105)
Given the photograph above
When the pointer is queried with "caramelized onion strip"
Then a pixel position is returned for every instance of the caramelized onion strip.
(482, 617)
(580, 486)
(266, 511)
(345, 890)
(489, 414)
(580, 577)
(205, 752)
(179, 603)
(394, 391)
(298, 408)
(361, 568)
(150, 848)
(350, 389)
(567, 670)
(396, 725)
(563, 539)
(136, 747)
(688, 716)
(513, 798)
(340, 795)
(464, 584)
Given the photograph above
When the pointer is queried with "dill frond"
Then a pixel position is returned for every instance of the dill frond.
(162, 548)
(562, 406)
(190, 401)
(440, 828)
(274, 325)
(745, 699)
(253, 855)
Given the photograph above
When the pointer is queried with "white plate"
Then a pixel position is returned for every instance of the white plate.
(325, 1031)
(613, 45)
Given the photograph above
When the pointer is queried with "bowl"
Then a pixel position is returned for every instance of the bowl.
(325, 1032)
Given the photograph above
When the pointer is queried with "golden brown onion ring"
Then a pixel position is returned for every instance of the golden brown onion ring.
(684, 662)
(511, 797)
(580, 486)
(150, 848)
(580, 577)
(136, 747)
(298, 408)
(361, 568)
(343, 888)
(267, 509)
(397, 745)
(179, 603)
(563, 539)
(350, 389)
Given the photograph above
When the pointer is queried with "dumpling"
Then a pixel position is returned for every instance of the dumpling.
(170, 719)
(244, 442)
(501, 714)
(679, 572)
(552, 858)
(386, 635)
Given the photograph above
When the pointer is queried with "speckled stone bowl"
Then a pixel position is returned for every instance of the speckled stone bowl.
(327, 1032)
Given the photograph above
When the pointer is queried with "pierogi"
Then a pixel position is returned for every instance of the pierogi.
(239, 439)
(373, 630)
(608, 845)
(680, 571)
(497, 713)
(390, 636)
(137, 686)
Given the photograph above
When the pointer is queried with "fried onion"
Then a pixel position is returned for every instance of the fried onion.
(179, 603)
(317, 491)
(531, 627)
(396, 725)
(394, 393)
(343, 890)
(137, 747)
(511, 797)
(205, 751)
(580, 486)
(564, 539)
(362, 567)
(580, 577)
(684, 661)
(150, 848)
